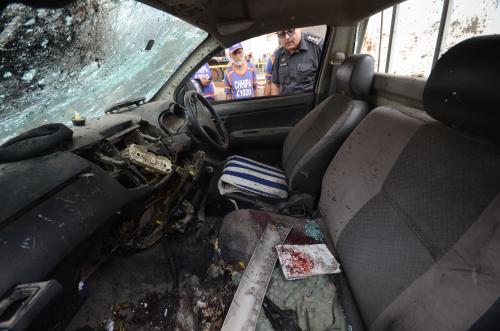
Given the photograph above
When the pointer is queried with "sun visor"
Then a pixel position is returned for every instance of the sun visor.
(229, 28)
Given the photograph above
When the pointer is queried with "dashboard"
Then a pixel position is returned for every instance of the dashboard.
(116, 185)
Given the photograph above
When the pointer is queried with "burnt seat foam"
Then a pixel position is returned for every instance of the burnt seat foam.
(412, 205)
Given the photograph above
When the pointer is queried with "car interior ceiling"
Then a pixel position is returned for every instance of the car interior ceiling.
(124, 223)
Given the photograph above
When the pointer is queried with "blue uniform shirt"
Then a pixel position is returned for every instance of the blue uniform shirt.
(269, 68)
(296, 72)
(240, 84)
(204, 72)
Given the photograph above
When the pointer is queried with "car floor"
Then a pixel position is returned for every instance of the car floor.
(177, 284)
(138, 285)
(182, 283)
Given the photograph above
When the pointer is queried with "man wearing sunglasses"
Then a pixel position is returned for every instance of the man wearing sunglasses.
(296, 62)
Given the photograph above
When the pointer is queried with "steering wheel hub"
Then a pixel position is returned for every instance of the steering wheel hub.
(205, 121)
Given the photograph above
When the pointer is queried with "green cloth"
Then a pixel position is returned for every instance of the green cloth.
(313, 298)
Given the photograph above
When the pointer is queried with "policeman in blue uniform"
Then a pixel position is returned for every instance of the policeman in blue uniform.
(296, 62)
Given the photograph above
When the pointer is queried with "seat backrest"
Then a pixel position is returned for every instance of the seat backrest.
(313, 142)
(413, 205)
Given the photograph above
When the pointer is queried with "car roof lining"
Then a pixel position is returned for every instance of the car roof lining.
(233, 21)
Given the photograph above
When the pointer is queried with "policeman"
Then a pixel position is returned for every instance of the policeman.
(296, 62)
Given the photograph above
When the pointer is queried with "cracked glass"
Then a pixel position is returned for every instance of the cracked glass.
(84, 58)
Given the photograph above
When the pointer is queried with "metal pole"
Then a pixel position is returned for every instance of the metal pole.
(391, 37)
(380, 39)
(361, 34)
(442, 28)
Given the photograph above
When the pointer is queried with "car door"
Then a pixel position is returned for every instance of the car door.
(262, 121)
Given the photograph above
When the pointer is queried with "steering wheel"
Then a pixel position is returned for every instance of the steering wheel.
(205, 120)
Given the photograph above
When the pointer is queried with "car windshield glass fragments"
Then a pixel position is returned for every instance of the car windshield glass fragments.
(84, 58)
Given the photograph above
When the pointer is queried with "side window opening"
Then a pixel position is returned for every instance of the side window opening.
(245, 70)
(409, 38)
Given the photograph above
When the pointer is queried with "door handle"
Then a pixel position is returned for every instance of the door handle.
(22, 304)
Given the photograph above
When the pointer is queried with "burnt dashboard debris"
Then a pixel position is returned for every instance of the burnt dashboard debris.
(136, 156)
(119, 186)
(160, 168)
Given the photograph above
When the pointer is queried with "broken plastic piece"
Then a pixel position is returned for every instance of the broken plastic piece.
(110, 325)
(139, 154)
(302, 261)
(312, 230)
(245, 307)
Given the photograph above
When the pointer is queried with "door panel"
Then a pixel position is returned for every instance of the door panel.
(263, 122)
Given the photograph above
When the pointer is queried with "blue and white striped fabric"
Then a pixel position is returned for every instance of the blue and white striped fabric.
(250, 177)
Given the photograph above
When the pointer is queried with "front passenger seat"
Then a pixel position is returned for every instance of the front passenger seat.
(311, 144)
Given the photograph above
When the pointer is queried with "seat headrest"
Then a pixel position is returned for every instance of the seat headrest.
(463, 89)
(355, 76)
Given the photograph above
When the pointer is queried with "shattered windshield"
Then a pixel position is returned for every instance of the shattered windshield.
(84, 58)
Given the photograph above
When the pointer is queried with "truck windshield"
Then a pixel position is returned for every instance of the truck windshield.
(84, 58)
